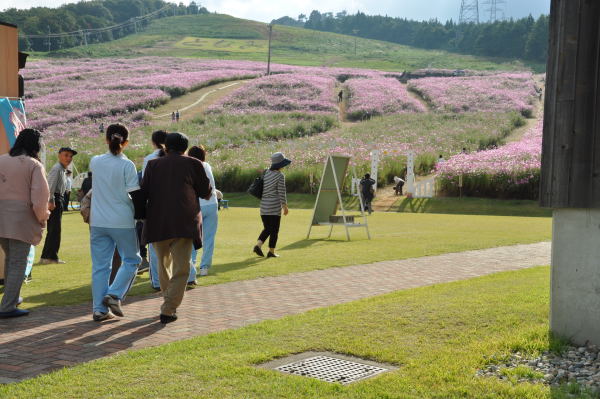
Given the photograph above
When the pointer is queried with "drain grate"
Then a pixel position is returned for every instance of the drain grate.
(332, 369)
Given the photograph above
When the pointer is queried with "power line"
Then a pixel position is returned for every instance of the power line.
(84, 32)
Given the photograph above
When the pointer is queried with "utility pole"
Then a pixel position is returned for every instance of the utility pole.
(269, 59)
(469, 12)
(355, 31)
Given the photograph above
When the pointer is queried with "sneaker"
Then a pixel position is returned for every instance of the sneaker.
(114, 304)
(192, 284)
(45, 261)
(272, 255)
(258, 251)
(14, 313)
(101, 316)
(204, 272)
(156, 289)
(164, 319)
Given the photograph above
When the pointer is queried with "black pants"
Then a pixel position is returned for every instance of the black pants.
(139, 227)
(67, 198)
(52, 243)
(271, 229)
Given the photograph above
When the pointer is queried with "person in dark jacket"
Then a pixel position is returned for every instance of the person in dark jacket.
(367, 191)
(171, 187)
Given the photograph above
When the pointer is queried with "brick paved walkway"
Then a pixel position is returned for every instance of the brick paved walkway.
(55, 337)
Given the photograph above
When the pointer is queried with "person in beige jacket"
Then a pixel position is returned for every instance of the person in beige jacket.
(23, 213)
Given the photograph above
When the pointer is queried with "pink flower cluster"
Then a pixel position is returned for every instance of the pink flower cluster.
(491, 93)
(379, 96)
(517, 161)
(66, 95)
(292, 92)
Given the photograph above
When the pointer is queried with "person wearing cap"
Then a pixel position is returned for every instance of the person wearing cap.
(273, 201)
(57, 182)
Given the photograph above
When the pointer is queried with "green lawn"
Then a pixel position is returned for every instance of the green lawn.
(438, 336)
(395, 236)
(443, 205)
(193, 36)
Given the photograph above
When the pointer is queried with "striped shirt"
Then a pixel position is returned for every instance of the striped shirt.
(274, 196)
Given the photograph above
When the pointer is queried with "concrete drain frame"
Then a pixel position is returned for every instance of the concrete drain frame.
(328, 367)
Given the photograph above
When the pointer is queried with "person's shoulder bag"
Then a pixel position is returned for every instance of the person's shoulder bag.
(256, 188)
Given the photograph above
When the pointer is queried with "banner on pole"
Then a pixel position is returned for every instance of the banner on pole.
(12, 121)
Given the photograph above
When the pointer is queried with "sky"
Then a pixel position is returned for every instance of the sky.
(267, 10)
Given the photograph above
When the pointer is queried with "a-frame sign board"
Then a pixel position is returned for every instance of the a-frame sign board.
(329, 198)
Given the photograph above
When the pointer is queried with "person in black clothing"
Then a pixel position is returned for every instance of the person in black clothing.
(86, 185)
(367, 191)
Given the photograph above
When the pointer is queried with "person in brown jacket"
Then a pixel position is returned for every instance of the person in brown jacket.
(23, 213)
(171, 187)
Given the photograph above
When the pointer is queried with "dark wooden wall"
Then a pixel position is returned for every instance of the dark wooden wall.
(571, 145)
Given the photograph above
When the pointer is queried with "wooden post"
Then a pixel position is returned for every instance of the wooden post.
(570, 176)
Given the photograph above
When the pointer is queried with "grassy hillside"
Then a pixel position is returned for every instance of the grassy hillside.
(199, 36)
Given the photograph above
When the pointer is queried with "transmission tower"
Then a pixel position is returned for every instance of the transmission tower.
(495, 9)
(469, 12)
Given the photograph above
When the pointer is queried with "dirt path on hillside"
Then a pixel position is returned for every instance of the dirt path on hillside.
(419, 98)
(192, 104)
(538, 113)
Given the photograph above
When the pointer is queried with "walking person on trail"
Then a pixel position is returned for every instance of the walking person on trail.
(341, 96)
(399, 184)
(23, 211)
(112, 224)
(177, 116)
(209, 209)
(171, 187)
(367, 191)
(173, 116)
(273, 201)
(57, 182)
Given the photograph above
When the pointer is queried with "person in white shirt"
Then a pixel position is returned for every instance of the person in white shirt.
(209, 209)
(112, 224)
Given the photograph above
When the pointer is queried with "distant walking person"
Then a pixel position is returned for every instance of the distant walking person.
(57, 182)
(367, 191)
(23, 212)
(112, 224)
(177, 116)
(209, 209)
(273, 200)
(173, 116)
(101, 127)
(341, 96)
(171, 186)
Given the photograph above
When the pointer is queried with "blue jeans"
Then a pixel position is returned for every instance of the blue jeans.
(153, 260)
(210, 221)
(103, 241)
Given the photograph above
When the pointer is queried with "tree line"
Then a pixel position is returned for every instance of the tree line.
(83, 15)
(524, 38)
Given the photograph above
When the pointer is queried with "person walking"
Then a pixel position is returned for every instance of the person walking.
(173, 116)
(86, 186)
(158, 143)
(171, 187)
(57, 182)
(177, 116)
(209, 209)
(273, 201)
(367, 191)
(112, 224)
(23, 213)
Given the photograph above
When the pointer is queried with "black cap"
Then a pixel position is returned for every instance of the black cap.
(63, 149)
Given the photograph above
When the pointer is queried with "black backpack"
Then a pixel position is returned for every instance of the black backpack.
(256, 188)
